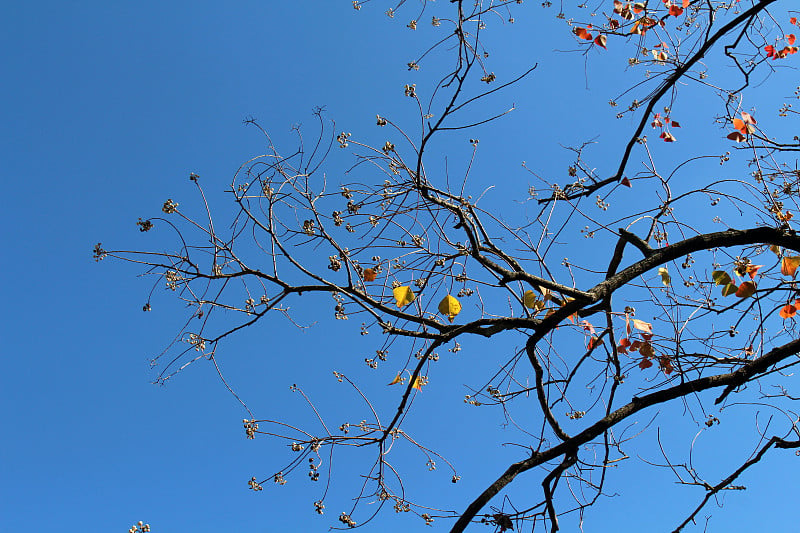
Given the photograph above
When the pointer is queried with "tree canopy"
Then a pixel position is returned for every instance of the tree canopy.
(655, 271)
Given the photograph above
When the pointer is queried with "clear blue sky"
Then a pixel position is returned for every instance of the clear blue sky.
(106, 108)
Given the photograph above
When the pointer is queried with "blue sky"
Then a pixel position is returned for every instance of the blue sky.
(106, 109)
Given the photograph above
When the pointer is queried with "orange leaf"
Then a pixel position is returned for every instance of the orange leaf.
(582, 33)
(753, 270)
(739, 125)
(397, 379)
(369, 274)
(594, 341)
(792, 20)
(638, 7)
(685, 3)
(788, 311)
(789, 265)
(675, 11)
(746, 289)
(791, 38)
(623, 345)
(770, 50)
(417, 384)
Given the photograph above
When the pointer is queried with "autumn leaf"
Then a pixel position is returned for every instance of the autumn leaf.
(775, 249)
(417, 384)
(624, 344)
(753, 270)
(369, 274)
(720, 277)
(665, 365)
(789, 265)
(645, 363)
(665, 277)
(582, 33)
(667, 136)
(403, 295)
(746, 289)
(641, 325)
(729, 289)
(626, 182)
(450, 307)
(397, 379)
(646, 349)
(600, 40)
(529, 300)
(790, 38)
(675, 11)
(788, 311)
(594, 341)
(736, 137)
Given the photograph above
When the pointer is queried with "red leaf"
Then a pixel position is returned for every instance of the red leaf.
(736, 136)
(626, 182)
(686, 3)
(594, 341)
(791, 38)
(675, 124)
(770, 50)
(675, 11)
(746, 289)
(665, 365)
(668, 137)
(753, 270)
(600, 40)
(645, 363)
(793, 20)
(582, 33)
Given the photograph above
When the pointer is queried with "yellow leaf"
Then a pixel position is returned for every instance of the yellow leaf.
(721, 277)
(775, 249)
(729, 289)
(641, 325)
(397, 379)
(789, 265)
(417, 384)
(665, 278)
(403, 295)
(529, 300)
(449, 307)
